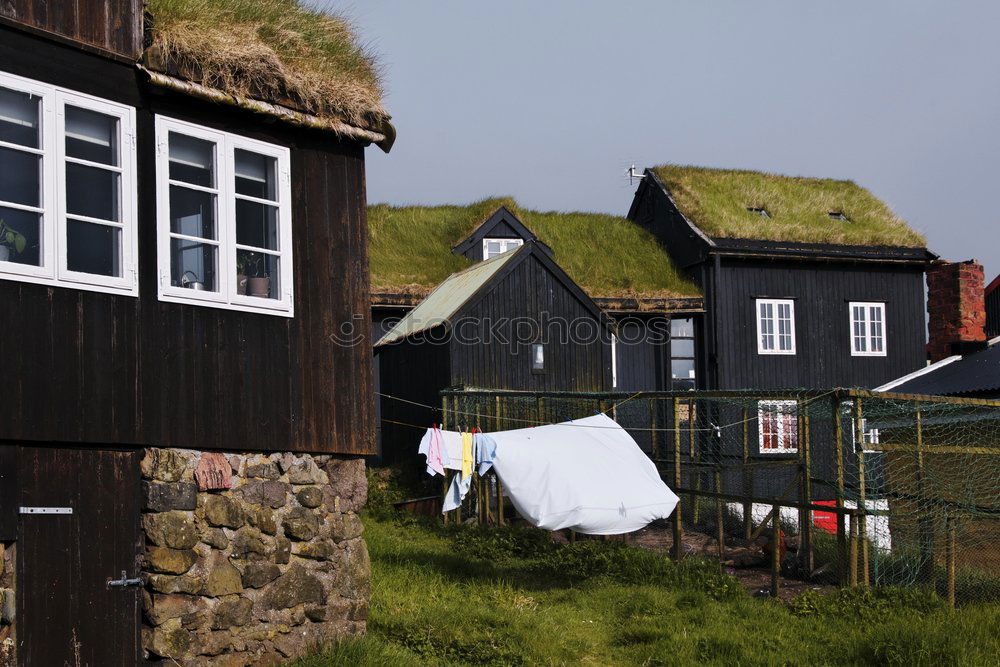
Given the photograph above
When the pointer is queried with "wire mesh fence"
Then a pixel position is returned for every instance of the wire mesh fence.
(841, 486)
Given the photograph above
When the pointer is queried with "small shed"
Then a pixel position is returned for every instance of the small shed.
(516, 321)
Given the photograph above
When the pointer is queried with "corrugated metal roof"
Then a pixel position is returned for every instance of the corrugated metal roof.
(973, 374)
(448, 297)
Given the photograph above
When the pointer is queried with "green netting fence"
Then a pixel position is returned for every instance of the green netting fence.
(865, 488)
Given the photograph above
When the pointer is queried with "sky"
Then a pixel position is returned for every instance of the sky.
(550, 102)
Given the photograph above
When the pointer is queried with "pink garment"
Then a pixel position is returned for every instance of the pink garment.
(434, 459)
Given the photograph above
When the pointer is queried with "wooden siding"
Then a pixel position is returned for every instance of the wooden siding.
(414, 371)
(993, 313)
(822, 332)
(110, 25)
(8, 492)
(502, 362)
(99, 368)
(642, 356)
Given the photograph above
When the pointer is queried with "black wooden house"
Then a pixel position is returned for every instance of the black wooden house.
(179, 243)
(653, 310)
(808, 283)
(514, 321)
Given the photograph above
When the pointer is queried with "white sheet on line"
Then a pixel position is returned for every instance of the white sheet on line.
(588, 475)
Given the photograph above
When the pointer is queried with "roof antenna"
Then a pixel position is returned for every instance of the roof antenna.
(633, 174)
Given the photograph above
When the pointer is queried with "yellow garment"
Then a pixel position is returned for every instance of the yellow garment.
(466, 455)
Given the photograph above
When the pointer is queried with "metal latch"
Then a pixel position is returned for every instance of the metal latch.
(46, 510)
(124, 582)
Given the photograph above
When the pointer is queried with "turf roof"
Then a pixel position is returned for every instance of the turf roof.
(273, 50)
(410, 249)
(798, 209)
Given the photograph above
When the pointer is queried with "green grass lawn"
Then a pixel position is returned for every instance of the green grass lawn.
(511, 597)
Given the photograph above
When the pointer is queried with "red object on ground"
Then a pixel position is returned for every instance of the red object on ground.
(827, 521)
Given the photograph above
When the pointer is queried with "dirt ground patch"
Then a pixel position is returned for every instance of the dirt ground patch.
(748, 562)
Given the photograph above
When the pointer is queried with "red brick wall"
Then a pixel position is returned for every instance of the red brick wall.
(955, 306)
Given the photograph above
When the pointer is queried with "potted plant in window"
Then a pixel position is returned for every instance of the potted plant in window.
(10, 239)
(258, 282)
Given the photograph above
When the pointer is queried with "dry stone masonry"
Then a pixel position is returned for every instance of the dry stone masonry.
(8, 604)
(250, 558)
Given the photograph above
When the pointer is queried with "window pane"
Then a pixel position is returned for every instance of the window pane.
(262, 272)
(19, 177)
(682, 373)
(192, 160)
(20, 237)
(682, 347)
(92, 192)
(192, 212)
(19, 118)
(91, 136)
(682, 328)
(93, 248)
(256, 224)
(537, 357)
(493, 248)
(193, 265)
(255, 175)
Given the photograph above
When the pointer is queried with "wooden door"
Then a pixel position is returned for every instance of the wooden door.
(67, 614)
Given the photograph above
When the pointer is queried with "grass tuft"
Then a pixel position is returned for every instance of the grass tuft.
(799, 208)
(276, 50)
(410, 248)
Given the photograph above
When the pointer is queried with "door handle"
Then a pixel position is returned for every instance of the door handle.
(125, 582)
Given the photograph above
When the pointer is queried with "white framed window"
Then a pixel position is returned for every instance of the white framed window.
(68, 206)
(869, 436)
(775, 326)
(494, 247)
(867, 328)
(223, 218)
(777, 426)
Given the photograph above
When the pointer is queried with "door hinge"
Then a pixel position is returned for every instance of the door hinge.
(46, 510)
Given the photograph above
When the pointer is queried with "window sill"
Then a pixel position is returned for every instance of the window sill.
(130, 291)
(280, 310)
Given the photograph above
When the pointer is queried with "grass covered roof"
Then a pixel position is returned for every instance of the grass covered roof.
(410, 249)
(273, 50)
(731, 203)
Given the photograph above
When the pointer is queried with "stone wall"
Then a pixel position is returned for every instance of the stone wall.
(8, 604)
(250, 558)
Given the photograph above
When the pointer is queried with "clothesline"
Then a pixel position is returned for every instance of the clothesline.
(535, 422)
(597, 482)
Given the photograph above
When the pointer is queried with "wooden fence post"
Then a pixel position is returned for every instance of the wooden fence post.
(859, 453)
(695, 457)
(951, 546)
(654, 408)
(678, 527)
(806, 539)
(720, 529)
(925, 523)
(775, 549)
(838, 452)
(747, 477)
(447, 474)
(853, 551)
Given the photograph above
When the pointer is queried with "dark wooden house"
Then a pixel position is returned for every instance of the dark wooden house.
(179, 247)
(808, 283)
(653, 310)
(515, 321)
